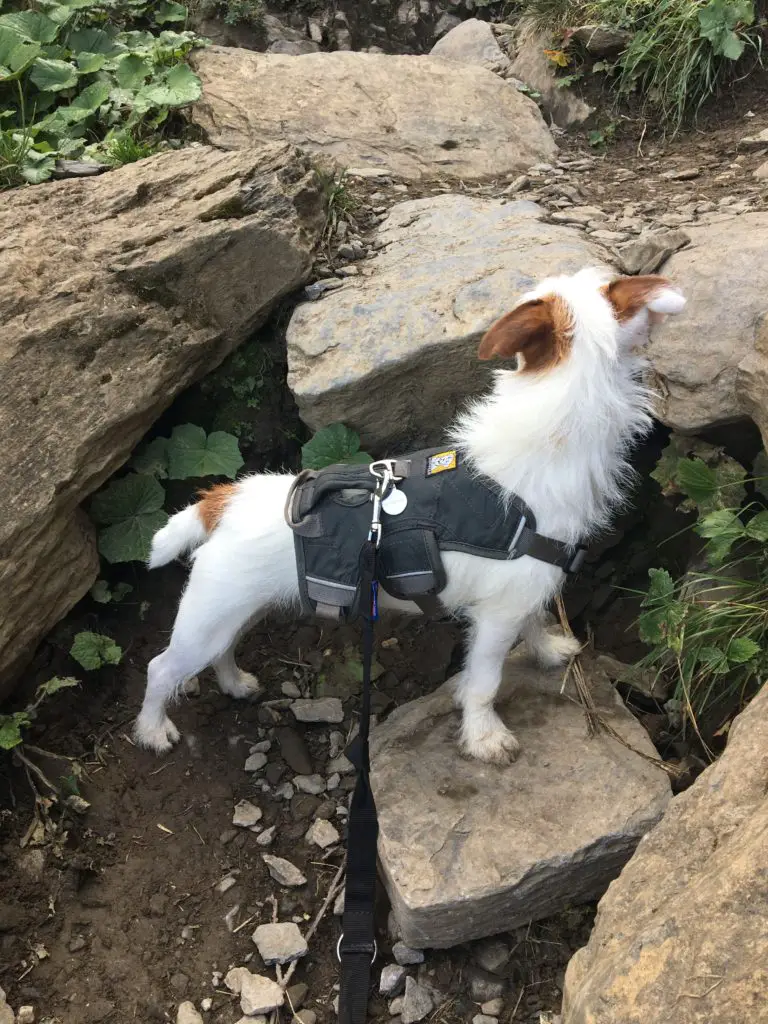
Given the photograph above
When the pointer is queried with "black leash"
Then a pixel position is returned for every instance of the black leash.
(356, 948)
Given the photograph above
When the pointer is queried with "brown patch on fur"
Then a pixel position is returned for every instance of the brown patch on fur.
(539, 331)
(212, 504)
(628, 295)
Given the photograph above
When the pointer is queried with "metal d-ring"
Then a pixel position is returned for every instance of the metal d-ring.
(338, 949)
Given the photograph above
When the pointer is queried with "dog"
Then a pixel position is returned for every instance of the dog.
(555, 429)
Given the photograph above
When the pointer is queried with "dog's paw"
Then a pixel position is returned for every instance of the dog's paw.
(555, 650)
(487, 739)
(244, 686)
(158, 737)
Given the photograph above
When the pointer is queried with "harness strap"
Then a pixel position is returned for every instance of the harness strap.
(546, 549)
(356, 948)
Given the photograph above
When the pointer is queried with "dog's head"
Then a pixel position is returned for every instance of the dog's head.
(586, 313)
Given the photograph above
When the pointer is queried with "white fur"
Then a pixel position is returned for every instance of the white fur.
(558, 439)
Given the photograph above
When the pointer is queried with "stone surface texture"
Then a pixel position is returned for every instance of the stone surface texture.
(712, 361)
(468, 849)
(116, 293)
(448, 267)
(681, 934)
(415, 117)
(474, 42)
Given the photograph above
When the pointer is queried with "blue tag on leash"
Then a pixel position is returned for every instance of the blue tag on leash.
(374, 600)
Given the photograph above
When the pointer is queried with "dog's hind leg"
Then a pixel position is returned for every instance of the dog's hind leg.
(231, 678)
(550, 649)
(483, 734)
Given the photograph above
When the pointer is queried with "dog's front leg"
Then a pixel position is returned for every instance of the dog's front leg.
(483, 734)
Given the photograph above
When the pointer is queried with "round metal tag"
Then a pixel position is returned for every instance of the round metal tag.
(394, 503)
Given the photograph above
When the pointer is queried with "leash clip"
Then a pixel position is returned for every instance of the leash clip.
(383, 470)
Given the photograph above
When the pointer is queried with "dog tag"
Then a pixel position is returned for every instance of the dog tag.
(394, 503)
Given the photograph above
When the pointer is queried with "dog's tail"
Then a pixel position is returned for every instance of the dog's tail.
(182, 533)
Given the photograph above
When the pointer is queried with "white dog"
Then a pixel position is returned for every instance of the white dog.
(555, 431)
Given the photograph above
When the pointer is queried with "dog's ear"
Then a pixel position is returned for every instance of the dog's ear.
(628, 295)
(529, 333)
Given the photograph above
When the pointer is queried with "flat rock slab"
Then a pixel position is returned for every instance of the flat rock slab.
(280, 943)
(468, 849)
(682, 935)
(414, 117)
(393, 353)
(712, 362)
(116, 293)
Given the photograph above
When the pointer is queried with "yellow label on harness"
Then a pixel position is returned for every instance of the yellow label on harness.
(441, 462)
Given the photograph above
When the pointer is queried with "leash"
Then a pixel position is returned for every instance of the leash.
(356, 948)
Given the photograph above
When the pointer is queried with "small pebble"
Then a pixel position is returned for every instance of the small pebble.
(417, 1002)
(392, 980)
(279, 943)
(246, 814)
(482, 1018)
(406, 956)
(325, 709)
(191, 687)
(267, 836)
(322, 833)
(283, 871)
(26, 1015)
(396, 1006)
(285, 791)
(313, 784)
(226, 884)
(186, 1014)
(255, 762)
(290, 689)
(306, 1016)
(333, 782)
(493, 1008)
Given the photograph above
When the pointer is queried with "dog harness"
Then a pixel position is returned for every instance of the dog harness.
(432, 501)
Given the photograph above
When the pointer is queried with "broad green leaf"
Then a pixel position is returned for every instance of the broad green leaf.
(92, 650)
(152, 459)
(130, 496)
(131, 540)
(56, 684)
(30, 26)
(91, 98)
(661, 588)
(696, 480)
(333, 445)
(757, 528)
(38, 167)
(131, 71)
(741, 650)
(714, 659)
(95, 40)
(731, 46)
(166, 11)
(176, 88)
(15, 55)
(10, 729)
(53, 75)
(90, 63)
(192, 454)
(101, 592)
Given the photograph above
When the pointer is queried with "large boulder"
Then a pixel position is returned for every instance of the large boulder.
(393, 353)
(416, 117)
(681, 935)
(117, 292)
(469, 849)
(474, 42)
(712, 363)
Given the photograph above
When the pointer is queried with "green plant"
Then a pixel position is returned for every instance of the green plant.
(233, 12)
(130, 510)
(94, 650)
(11, 726)
(332, 445)
(339, 201)
(102, 593)
(81, 78)
(709, 630)
(602, 136)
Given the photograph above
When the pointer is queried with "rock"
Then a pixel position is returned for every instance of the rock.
(312, 784)
(255, 762)
(191, 687)
(492, 955)
(601, 40)
(340, 765)
(484, 986)
(297, 994)
(406, 956)
(581, 215)
(78, 169)
(179, 982)
(396, 1006)
(449, 266)
(324, 709)
(266, 837)
(257, 994)
(186, 1014)
(246, 814)
(680, 935)
(474, 42)
(411, 116)
(417, 1002)
(752, 142)
(289, 689)
(392, 980)
(493, 1008)
(482, 1018)
(294, 750)
(645, 681)
(283, 871)
(445, 23)
(118, 292)
(683, 174)
(531, 65)
(645, 254)
(306, 1017)
(724, 276)
(322, 833)
(469, 850)
(280, 943)
(762, 172)
(6, 1013)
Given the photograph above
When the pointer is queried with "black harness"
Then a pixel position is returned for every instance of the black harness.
(359, 526)
(447, 507)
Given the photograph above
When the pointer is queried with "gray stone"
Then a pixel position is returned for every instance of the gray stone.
(712, 362)
(258, 995)
(193, 249)
(417, 1002)
(289, 689)
(340, 765)
(186, 1014)
(280, 943)
(531, 65)
(647, 253)
(601, 40)
(469, 850)
(285, 791)
(762, 172)
(484, 986)
(283, 871)
(392, 980)
(753, 142)
(406, 956)
(581, 215)
(266, 838)
(6, 1013)
(313, 784)
(474, 42)
(395, 1007)
(492, 955)
(411, 116)
(322, 833)
(483, 1018)
(449, 267)
(26, 1015)
(246, 814)
(323, 709)
(255, 762)
(445, 23)
(493, 1008)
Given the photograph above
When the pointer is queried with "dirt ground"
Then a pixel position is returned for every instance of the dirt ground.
(115, 915)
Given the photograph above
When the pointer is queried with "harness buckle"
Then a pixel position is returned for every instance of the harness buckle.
(357, 947)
